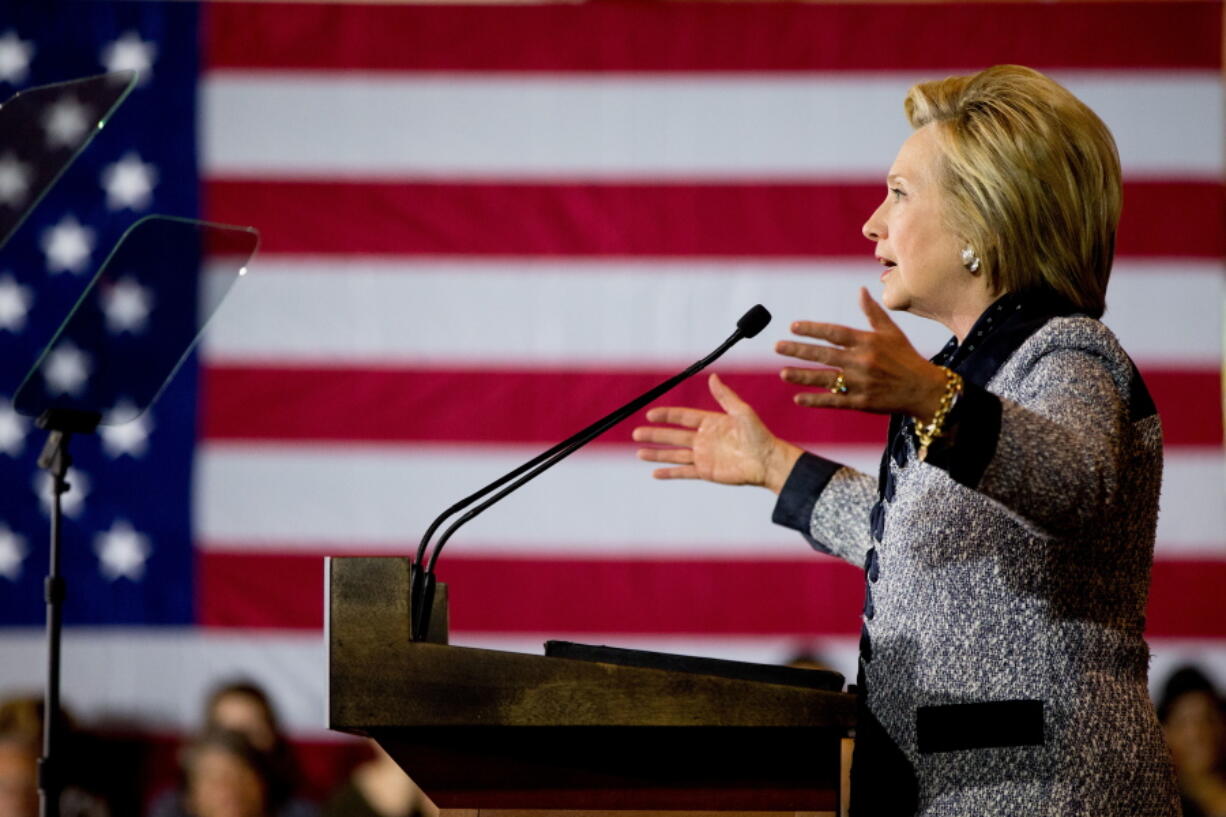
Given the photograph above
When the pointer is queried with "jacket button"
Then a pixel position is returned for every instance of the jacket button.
(877, 521)
(869, 609)
(866, 645)
(898, 448)
(872, 565)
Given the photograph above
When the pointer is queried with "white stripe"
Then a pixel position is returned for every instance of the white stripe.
(384, 497)
(159, 677)
(1192, 509)
(598, 503)
(624, 313)
(715, 126)
(158, 680)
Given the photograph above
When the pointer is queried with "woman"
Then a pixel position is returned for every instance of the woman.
(1191, 713)
(1008, 537)
(244, 707)
(226, 776)
(21, 746)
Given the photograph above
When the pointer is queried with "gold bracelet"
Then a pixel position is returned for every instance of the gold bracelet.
(927, 433)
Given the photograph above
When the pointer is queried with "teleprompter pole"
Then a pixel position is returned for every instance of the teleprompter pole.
(55, 459)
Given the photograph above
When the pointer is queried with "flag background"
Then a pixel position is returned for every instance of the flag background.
(484, 226)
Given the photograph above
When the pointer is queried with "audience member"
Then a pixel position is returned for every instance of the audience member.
(1191, 712)
(21, 745)
(243, 707)
(807, 660)
(226, 776)
(379, 788)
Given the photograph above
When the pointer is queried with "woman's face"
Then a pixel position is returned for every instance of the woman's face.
(18, 780)
(1195, 731)
(922, 257)
(220, 784)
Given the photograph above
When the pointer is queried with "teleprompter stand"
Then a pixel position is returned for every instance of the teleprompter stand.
(125, 377)
(91, 373)
(56, 460)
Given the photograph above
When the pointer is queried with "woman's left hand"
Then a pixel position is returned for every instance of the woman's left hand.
(881, 369)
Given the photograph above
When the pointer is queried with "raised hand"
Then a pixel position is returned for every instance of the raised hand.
(881, 369)
(732, 447)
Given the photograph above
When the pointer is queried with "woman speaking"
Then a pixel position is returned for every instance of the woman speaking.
(1008, 537)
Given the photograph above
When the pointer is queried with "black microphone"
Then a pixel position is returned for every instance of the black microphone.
(422, 577)
(753, 321)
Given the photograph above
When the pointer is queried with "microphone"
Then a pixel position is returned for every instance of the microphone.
(422, 580)
(753, 321)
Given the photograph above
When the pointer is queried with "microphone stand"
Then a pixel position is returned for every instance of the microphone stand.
(55, 460)
(422, 578)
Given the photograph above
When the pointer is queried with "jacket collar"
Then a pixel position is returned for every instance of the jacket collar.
(1000, 331)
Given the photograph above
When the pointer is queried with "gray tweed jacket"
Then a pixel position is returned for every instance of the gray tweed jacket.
(1002, 666)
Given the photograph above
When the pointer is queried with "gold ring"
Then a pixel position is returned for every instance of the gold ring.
(840, 385)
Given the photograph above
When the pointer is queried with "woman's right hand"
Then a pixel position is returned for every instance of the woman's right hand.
(732, 447)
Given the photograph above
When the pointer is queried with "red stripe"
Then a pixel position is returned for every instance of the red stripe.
(807, 596)
(1185, 599)
(604, 36)
(579, 218)
(1190, 404)
(441, 406)
(419, 405)
(810, 596)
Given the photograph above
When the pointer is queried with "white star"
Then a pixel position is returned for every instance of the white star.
(12, 553)
(14, 304)
(129, 183)
(122, 552)
(126, 304)
(66, 369)
(66, 123)
(72, 502)
(15, 56)
(68, 245)
(130, 53)
(14, 181)
(125, 432)
(13, 429)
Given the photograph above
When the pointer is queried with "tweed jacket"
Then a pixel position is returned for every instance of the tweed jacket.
(1002, 664)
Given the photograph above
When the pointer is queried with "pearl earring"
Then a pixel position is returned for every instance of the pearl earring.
(970, 260)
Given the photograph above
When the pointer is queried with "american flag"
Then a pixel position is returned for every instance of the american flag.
(485, 226)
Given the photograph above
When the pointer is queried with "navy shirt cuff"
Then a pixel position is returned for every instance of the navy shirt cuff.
(809, 476)
(970, 441)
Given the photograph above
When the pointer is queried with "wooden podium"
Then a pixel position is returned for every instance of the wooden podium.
(488, 733)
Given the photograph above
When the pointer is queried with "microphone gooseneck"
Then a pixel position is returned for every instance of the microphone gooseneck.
(422, 576)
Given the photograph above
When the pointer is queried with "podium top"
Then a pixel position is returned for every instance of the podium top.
(380, 679)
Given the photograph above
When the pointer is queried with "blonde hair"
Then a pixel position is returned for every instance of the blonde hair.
(1032, 177)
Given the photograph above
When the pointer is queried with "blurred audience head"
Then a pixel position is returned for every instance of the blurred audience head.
(1191, 713)
(226, 776)
(21, 730)
(807, 660)
(243, 706)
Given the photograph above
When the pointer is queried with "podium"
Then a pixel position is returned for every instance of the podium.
(497, 734)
